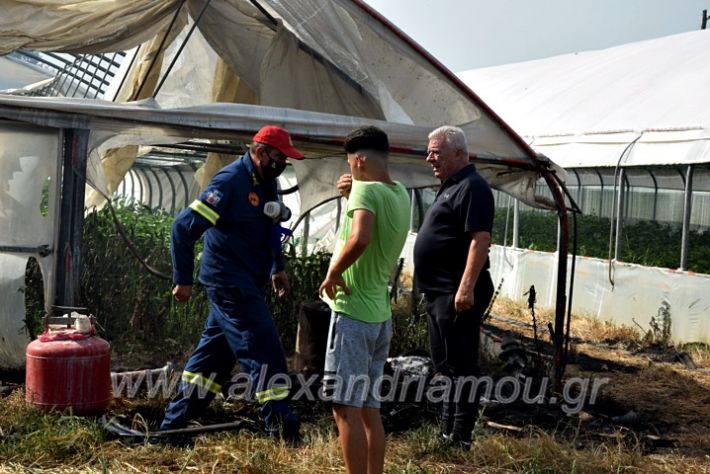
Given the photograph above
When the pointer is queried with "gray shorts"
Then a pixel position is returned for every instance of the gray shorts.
(355, 361)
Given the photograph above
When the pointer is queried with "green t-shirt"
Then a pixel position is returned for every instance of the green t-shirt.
(367, 277)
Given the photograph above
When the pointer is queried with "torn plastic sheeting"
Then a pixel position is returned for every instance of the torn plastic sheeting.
(28, 178)
(358, 65)
(86, 27)
(316, 134)
(13, 334)
(352, 45)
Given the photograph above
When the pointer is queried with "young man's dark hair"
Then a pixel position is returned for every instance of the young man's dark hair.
(366, 138)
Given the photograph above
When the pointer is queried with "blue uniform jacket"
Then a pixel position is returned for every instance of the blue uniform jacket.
(241, 243)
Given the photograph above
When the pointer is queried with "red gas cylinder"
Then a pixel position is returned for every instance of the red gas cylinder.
(68, 370)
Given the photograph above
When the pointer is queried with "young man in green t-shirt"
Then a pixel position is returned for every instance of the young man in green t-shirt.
(370, 241)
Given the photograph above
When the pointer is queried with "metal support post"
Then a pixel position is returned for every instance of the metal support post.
(561, 294)
(71, 218)
(687, 208)
(620, 216)
(306, 232)
(516, 224)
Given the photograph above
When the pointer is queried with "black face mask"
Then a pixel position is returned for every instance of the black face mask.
(273, 169)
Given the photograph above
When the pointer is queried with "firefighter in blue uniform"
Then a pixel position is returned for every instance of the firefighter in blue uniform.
(242, 252)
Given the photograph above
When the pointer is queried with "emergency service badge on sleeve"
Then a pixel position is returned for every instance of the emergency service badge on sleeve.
(253, 199)
(213, 197)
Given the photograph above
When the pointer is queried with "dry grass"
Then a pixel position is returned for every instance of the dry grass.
(700, 353)
(673, 401)
(583, 327)
(532, 451)
(672, 394)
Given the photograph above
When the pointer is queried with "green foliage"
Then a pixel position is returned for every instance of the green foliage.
(538, 231)
(409, 327)
(131, 305)
(660, 332)
(136, 309)
(30, 436)
(653, 244)
(44, 203)
(305, 276)
(34, 298)
(647, 243)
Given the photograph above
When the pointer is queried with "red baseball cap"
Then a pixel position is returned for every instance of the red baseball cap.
(278, 138)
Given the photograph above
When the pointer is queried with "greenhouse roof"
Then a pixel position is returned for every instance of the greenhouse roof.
(585, 109)
(281, 61)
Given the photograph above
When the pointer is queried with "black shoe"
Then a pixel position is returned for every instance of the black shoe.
(289, 431)
(454, 441)
(443, 439)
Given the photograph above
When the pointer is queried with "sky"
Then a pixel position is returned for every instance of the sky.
(467, 34)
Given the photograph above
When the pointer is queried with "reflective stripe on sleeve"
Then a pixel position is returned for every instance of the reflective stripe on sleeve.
(205, 211)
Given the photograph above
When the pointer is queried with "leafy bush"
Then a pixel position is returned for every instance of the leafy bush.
(409, 327)
(131, 305)
(136, 308)
(305, 275)
(647, 243)
(136, 311)
(34, 298)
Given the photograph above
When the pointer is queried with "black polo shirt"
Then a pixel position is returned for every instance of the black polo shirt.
(464, 204)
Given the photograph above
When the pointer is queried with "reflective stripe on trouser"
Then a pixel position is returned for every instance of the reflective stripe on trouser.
(238, 327)
(276, 393)
(200, 381)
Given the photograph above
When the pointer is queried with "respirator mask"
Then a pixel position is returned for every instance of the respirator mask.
(273, 169)
(277, 210)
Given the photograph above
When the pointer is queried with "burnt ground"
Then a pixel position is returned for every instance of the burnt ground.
(654, 397)
(651, 400)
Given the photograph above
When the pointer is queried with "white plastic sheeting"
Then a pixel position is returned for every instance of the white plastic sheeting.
(191, 80)
(329, 57)
(13, 334)
(637, 294)
(16, 75)
(115, 125)
(336, 57)
(318, 135)
(85, 26)
(584, 109)
(318, 69)
(28, 159)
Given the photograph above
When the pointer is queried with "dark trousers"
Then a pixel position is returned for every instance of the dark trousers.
(454, 340)
(239, 327)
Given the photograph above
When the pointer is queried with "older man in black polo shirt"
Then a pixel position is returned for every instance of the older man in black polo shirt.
(451, 269)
